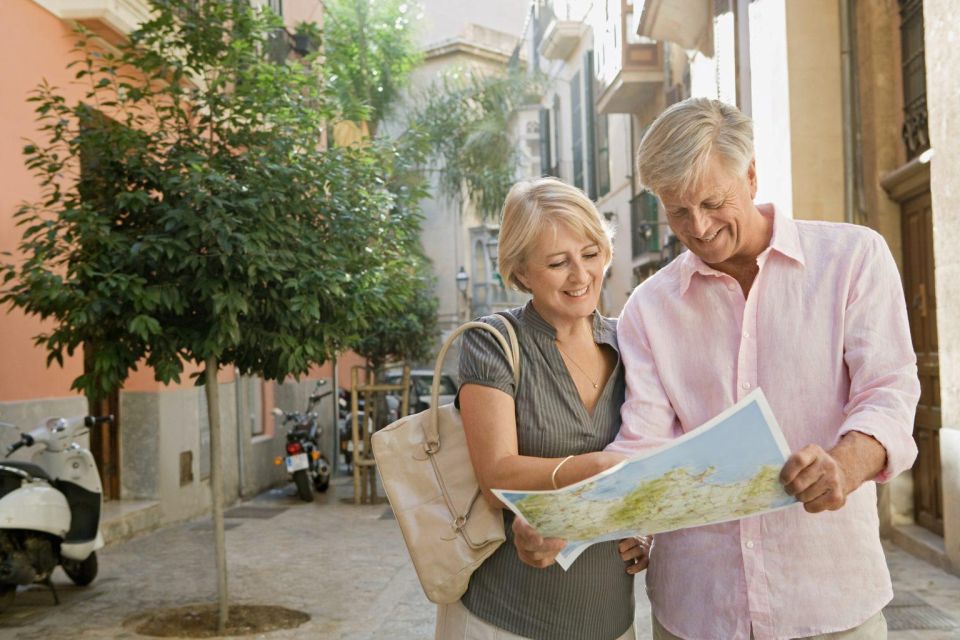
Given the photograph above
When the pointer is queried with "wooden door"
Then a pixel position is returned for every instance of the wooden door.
(920, 293)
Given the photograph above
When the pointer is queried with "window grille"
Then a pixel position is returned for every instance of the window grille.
(914, 133)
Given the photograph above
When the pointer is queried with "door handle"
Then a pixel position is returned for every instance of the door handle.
(921, 299)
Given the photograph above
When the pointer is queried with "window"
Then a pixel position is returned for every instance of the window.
(591, 123)
(598, 135)
(603, 155)
(576, 119)
(276, 6)
(555, 170)
(914, 133)
(546, 163)
(644, 230)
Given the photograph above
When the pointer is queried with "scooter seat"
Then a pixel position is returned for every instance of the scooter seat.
(34, 470)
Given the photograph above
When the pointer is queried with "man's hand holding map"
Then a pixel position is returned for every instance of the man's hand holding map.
(724, 470)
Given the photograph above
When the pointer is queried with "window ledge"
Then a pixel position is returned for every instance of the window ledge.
(118, 16)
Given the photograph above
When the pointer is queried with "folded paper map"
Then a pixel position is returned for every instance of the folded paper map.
(726, 469)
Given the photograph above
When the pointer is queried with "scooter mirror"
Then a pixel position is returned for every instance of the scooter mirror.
(56, 424)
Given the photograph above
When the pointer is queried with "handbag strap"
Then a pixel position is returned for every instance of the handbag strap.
(431, 429)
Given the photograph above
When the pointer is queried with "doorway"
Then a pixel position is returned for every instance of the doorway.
(920, 292)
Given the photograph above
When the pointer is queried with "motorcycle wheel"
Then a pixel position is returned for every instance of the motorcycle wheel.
(7, 593)
(81, 572)
(303, 485)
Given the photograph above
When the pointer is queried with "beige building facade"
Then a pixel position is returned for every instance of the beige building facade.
(605, 84)
(459, 240)
(841, 93)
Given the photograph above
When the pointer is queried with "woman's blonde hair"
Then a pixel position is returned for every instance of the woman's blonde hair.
(676, 150)
(533, 206)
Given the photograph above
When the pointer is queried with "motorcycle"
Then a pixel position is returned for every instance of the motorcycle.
(50, 508)
(305, 460)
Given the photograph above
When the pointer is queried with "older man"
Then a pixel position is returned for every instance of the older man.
(811, 312)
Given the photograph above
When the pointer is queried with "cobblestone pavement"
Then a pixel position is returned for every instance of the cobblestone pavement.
(344, 565)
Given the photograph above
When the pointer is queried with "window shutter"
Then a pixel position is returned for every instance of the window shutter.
(546, 162)
(589, 111)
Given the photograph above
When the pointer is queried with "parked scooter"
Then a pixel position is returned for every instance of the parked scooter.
(50, 508)
(305, 460)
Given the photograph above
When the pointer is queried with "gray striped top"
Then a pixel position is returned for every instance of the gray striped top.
(594, 599)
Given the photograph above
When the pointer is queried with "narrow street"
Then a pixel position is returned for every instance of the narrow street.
(346, 567)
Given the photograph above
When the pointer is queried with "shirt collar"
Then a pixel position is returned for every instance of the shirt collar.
(784, 240)
(786, 237)
(529, 318)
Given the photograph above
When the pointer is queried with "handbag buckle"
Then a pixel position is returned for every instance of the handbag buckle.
(431, 447)
(459, 523)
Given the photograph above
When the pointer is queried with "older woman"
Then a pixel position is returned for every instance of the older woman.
(554, 245)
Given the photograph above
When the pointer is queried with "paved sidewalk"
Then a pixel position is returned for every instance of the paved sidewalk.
(344, 565)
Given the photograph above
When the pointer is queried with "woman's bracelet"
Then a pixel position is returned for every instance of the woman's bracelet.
(553, 476)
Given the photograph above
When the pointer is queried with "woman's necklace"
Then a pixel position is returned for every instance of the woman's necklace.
(595, 383)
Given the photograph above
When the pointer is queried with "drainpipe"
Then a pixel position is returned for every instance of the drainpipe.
(335, 438)
(850, 124)
(240, 436)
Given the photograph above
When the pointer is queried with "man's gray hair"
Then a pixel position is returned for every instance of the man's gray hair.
(676, 150)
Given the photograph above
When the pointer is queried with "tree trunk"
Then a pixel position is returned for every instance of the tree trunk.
(216, 489)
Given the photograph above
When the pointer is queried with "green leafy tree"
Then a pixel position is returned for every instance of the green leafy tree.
(188, 215)
(369, 53)
(465, 118)
(409, 334)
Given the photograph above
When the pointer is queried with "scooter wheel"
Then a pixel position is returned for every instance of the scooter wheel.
(321, 484)
(7, 594)
(81, 572)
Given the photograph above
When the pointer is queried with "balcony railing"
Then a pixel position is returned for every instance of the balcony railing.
(490, 297)
(644, 224)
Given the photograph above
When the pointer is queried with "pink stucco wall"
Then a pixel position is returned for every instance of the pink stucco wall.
(36, 45)
(33, 45)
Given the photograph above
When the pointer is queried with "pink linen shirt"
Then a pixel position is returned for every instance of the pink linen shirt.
(824, 333)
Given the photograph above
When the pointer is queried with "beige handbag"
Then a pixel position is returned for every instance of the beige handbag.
(449, 528)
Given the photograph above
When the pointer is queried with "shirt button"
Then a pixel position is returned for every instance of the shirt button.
(745, 385)
(732, 287)
(749, 544)
(746, 334)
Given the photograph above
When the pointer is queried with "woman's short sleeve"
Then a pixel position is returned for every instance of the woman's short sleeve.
(482, 360)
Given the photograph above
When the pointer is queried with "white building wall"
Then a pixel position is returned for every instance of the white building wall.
(771, 103)
(445, 228)
(770, 97)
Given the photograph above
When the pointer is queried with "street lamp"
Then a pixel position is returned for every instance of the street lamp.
(493, 250)
(462, 280)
